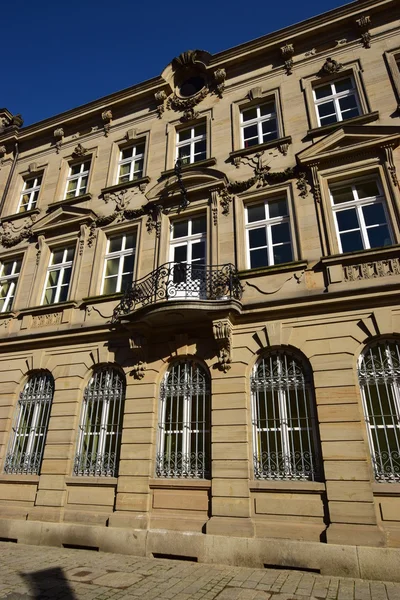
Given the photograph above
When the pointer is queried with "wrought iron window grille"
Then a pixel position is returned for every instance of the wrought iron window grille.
(285, 445)
(100, 428)
(25, 451)
(379, 378)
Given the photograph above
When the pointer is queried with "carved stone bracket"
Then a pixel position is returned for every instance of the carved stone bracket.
(330, 67)
(58, 136)
(84, 233)
(287, 52)
(138, 346)
(79, 151)
(214, 193)
(219, 78)
(315, 182)
(106, 117)
(364, 23)
(40, 245)
(160, 97)
(391, 167)
(302, 184)
(255, 92)
(3, 151)
(222, 331)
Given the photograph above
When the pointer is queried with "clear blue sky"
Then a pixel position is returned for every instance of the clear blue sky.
(58, 55)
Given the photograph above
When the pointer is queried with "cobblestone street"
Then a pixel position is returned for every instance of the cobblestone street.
(66, 574)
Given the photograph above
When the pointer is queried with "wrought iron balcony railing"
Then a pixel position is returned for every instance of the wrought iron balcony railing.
(181, 281)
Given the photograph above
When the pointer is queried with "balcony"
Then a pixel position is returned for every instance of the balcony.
(192, 286)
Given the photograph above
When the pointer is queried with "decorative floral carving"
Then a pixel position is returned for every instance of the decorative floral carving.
(302, 184)
(189, 114)
(391, 167)
(11, 236)
(219, 77)
(17, 121)
(3, 151)
(174, 102)
(46, 320)
(185, 59)
(287, 52)
(160, 97)
(58, 134)
(79, 151)
(106, 117)
(222, 331)
(372, 270)
(315, 181)
(363, 24)
(138, 346)
(330, 66)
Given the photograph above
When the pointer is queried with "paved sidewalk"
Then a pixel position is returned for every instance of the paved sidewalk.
(61, 574)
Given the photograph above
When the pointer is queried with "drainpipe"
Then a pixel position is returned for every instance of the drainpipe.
(235, 233)
(10, 175)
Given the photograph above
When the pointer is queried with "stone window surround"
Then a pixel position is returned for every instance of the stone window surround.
(96, 277)
(130, 138)
(284, 189)
(15, 254)
(351, 69)
(171, 130)
(259, 97)
(345, 173)
(392, 59)
(66, 162)
(30, 172)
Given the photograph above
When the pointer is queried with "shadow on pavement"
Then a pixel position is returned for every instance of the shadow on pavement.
(46, 584)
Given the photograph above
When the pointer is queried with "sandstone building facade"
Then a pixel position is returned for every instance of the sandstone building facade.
(199, 326)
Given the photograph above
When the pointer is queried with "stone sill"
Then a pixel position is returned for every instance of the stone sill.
(259, 147)
(180, 484)
(310, 487)
(101, 299)
(47, 308)
(20, 215)
(207, 162)
(360, 120)
(87, 480)
(386, 489)
(18, 478)
(67, 201)
(274, 269)
(141, 181)
(370, 254)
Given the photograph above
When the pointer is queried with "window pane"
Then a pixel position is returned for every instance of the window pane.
(351, 241)
(280, 233)
(63, 294)
(379, 236)
(110, 285)
(328, 108)
(342, 194)
(139, 149)
(53, 278)
(257, 237)
(200, 130)
(256, 212)
(75, 169)
(348, 102)
(258, 258)
(50, 295)
(112, 267)
(126, 153)
(130, 240)
(67, 275)
(267, 109)
(184, 154)
(200, 147)
(269, 128)
(199, 252)
(199, 225)
(277, 208)
(70, 254)
(323, 91)
(124, 169)
(250, 113)
(128, 262)
(374, 214)
(126, 282)
(367, 189)
(180, 254)
(347, 219)
(180, 229)
(282, 254)
(328, 120)
(184, 134)
(343, 85)
(57, 257)
(115, 244)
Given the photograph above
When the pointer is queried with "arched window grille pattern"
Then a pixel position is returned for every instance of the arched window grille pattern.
(100, 428)
(285, 440)
(184, 426)
(28, 436)
(379, 377)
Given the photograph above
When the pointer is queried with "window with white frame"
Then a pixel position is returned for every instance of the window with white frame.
(130, 164)
(183, 445)
(77, 180)
(9, 273)
(25, 451)
(285, 442)
(188, 253)
(100, 428)
(58, 276)
(119, 263)
(258, 124)
(360, 215)
(30, 194)
(336, 101)
(268, 233)
(191, 144)
(379, 378)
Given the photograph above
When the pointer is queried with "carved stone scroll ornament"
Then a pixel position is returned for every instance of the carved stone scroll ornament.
(315, 182)
(330, 67)
(3, 151)
(138, 346)
(160, 97)
(58, 136)
(222, 331)
(79, 151)
(106, 117)
(219, 78)
(388, 267)
(364, 23)
(287, 52)
(391, 167)
(178, 104)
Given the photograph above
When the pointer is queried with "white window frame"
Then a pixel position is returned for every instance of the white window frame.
(187, 240)
(358, 204)
(191, 142)
(268, 223)
(335, 97)
(32, 191)
(259, 120)
(78, 177)
(130, 160)
(58, 267)
(13, 278)
(121, 255)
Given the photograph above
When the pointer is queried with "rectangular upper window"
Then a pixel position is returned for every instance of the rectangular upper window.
(268, 233)
(29, 194)
(258, 125)
(77, 180)
(360, 215)
(336, 101)
(119, 263)
(9, 273)
(191, 144)
(58, 277)
(130, 164)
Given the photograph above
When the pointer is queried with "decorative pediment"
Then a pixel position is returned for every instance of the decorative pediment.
(64, 217)
(350, 140)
